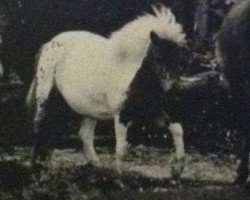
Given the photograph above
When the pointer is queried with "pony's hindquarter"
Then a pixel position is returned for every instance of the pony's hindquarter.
(90, 77)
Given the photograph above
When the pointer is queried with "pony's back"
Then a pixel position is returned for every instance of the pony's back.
(72, 39)
(78, 48)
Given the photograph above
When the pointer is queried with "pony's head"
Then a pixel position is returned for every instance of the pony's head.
(168, 58)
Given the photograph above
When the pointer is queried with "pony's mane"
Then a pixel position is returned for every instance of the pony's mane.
(132, 40)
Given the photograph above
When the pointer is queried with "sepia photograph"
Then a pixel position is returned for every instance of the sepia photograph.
(124, 99)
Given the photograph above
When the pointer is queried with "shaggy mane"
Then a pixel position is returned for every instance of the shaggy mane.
(132, 40)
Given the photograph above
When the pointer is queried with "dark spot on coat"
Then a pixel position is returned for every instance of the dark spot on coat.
(53, 44)
(42, 70)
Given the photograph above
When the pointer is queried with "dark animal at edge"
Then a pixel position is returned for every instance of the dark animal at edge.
(233, 53)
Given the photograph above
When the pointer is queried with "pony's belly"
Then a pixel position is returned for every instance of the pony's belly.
(87, 105)
(89, 102)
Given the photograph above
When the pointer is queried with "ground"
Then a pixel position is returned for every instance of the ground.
(146, 175)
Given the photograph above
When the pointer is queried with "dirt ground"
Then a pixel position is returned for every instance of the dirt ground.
(146, 176)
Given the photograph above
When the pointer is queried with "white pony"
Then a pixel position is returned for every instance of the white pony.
(120, 78)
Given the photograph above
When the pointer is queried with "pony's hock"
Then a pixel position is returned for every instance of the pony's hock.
(122, 77)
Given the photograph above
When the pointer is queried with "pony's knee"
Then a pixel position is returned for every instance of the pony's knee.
(176, 129)
(121, 137)
(121, 145)
(39, 115)
(177, 134)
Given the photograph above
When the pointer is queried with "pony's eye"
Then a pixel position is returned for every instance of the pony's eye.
(159, 58)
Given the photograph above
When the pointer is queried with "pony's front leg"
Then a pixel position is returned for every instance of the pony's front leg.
(87, 133)
(121, 142)
(179, 158)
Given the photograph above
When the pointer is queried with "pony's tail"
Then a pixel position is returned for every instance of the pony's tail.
(30, 98)
(31, 94)
(47, 58)
(31, 105)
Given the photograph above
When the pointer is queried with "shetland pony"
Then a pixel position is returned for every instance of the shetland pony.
(122, 77)
(233, 53)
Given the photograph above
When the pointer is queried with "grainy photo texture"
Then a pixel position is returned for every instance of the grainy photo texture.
(124, 99)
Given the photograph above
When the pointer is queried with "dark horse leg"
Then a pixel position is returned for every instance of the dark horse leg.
(233, 52)
(243, 169)
(241, 109)
(243, 120)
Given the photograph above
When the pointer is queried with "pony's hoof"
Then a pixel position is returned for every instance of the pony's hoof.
(177, 167)
(119, 166)
(241, 183)
(175, 179)
(119, 170)
(176, 182)
(28, 164)
(120, 184)
(95, 163)
(241, 179)
(92, 160)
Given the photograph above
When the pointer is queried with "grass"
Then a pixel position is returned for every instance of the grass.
(64, 178)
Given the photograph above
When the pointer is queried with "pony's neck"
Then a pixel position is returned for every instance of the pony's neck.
(133, 50)
(132, 41)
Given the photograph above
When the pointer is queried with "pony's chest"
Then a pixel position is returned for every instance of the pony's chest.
(99, 105)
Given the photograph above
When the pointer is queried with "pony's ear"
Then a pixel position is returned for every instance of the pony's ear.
(155, 39)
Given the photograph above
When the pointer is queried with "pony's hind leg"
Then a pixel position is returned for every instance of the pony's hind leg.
(121, 142)
(179, 158)
(87, 132)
